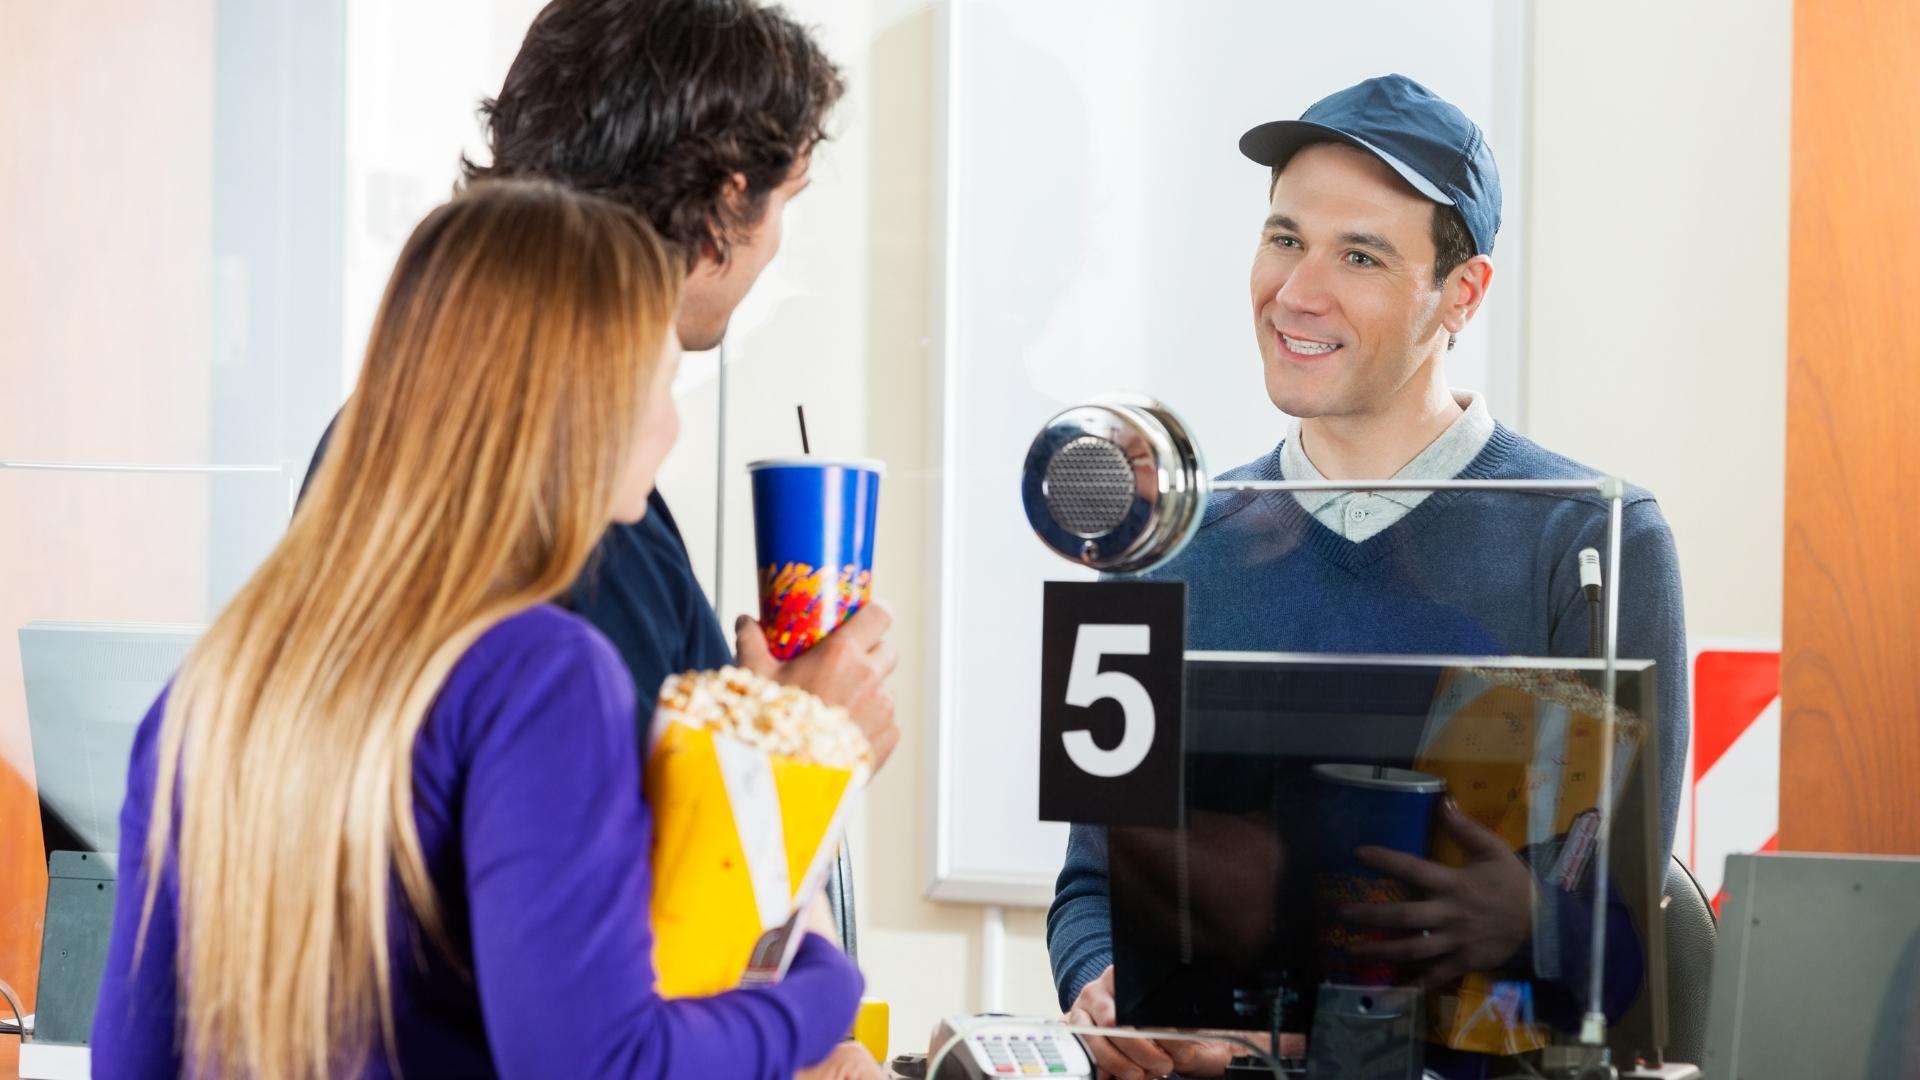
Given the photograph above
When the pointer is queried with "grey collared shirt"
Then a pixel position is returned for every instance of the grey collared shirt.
(1358, 515)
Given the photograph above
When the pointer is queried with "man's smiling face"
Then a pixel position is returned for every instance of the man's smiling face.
(1344, 302)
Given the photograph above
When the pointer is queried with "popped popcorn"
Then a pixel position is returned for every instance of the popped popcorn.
(770, 716)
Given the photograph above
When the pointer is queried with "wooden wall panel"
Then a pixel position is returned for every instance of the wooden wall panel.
(23, 901)
(1850, 754)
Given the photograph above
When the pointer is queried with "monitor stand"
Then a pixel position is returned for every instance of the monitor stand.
(1272, 1002)
(73, 955)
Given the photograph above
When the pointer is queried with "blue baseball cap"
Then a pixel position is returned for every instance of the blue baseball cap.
(1428, 141)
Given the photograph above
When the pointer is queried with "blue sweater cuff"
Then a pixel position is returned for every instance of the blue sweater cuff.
(1088, 970)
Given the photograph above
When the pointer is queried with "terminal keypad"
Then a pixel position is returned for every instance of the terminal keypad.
(1021, 1055)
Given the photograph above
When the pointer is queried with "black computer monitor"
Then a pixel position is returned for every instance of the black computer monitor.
(1217, 921)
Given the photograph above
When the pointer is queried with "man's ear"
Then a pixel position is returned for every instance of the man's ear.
(734, 193)
(1464, 291)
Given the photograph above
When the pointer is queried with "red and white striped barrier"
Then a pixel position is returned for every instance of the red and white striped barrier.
(1730, 804)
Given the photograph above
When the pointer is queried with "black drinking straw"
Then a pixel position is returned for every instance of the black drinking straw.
(805, 447)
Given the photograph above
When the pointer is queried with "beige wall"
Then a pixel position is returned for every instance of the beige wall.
(104, 311)
(106, 184)
(1658, 285)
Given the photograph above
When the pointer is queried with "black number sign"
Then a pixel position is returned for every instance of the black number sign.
(1112, 655)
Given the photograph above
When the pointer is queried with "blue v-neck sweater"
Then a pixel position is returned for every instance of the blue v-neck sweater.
(1463, 573)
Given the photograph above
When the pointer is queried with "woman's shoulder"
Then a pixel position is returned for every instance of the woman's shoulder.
(541, 652)
(544, 631)
(540, 628)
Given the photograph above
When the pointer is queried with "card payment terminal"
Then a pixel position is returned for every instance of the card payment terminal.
(1021, 1046)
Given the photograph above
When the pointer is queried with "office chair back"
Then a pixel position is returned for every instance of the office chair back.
(1691, 929)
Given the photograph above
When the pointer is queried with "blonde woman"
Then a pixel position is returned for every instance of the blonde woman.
(394, 791)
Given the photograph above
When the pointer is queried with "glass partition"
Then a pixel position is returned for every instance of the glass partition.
(1420, 777)
(207, 203)
(171, 347)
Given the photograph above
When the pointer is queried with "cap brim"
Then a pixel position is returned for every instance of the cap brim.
(1275, 142)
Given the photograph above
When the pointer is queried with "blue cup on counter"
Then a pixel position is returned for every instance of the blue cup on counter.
(1366, 806)
(813, 525)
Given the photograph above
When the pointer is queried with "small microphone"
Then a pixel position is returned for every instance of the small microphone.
(1590, 573)
(1116, 485)
(1590, 584)
(1089, 487)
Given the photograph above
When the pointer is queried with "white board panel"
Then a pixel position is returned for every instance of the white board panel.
(1097, 228)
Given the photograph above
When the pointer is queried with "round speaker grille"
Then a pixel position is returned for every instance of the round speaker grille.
(1089, 487)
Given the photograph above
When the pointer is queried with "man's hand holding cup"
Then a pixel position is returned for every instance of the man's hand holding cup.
(848, 668)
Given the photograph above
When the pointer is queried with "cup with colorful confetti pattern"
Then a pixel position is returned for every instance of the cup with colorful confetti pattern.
(813, 524)
(1359, 806)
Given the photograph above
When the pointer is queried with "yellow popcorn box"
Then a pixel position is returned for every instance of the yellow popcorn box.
(1520, 753)
(750, 784)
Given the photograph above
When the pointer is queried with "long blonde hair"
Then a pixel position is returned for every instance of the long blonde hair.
(470, 476)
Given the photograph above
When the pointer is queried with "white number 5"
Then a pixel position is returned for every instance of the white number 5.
(1086, 684)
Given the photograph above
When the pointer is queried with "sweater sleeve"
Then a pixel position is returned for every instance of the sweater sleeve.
(1653, 625)
(561, 938)
(135, 1020)
(1080, 920)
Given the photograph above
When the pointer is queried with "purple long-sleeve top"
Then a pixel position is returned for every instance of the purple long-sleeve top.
(527, 797)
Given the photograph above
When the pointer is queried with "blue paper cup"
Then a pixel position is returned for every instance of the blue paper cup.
(1361, 806)
(813, 522)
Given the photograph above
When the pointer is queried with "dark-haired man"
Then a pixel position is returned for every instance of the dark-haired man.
(703, 116)
(1383, 203)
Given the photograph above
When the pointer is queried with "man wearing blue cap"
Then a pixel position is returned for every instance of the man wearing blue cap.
(1376, 252)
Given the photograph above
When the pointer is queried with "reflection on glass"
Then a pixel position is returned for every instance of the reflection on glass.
(998, 1045)
(1395, 849)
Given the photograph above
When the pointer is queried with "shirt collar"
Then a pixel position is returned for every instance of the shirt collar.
(1443, 459)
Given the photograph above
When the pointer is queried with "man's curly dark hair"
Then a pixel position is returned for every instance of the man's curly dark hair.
(658, 104)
